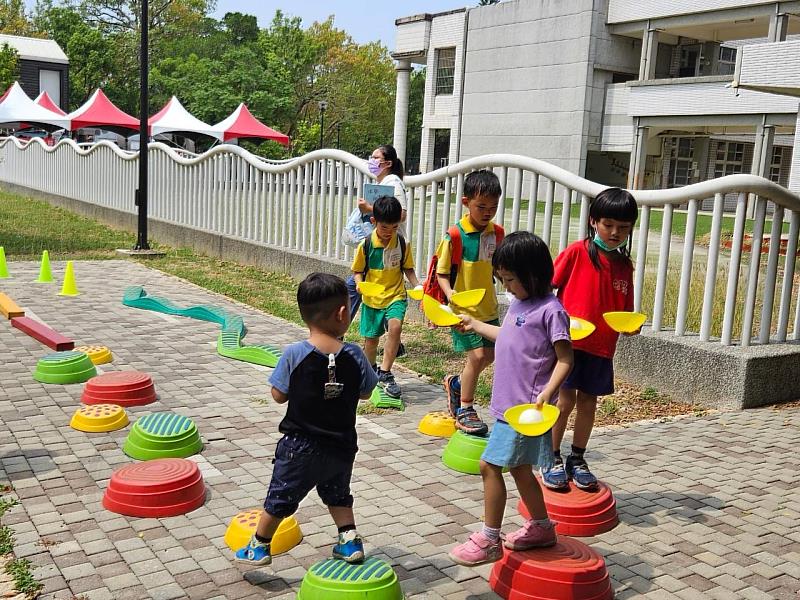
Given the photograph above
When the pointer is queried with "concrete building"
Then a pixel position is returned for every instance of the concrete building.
(43, 67)
(623, 92)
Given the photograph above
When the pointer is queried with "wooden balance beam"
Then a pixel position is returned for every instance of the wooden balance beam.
(9, 308)
(40, 331)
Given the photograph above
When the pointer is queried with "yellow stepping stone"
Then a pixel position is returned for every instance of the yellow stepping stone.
(99, 355)
(96, 418)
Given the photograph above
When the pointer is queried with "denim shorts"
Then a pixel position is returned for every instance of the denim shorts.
(507, 448)
(301, 464)
(593, 375)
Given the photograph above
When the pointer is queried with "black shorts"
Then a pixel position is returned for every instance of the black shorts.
(593, 375)
(301, 464)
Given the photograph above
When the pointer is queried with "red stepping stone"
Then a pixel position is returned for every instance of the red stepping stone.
(123, 388)
(577, 512)
(164, 487)
(570, 570)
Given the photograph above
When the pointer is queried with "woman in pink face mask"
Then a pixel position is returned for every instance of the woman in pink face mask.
(388, 169)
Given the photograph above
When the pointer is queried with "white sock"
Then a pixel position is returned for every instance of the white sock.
(492, 534)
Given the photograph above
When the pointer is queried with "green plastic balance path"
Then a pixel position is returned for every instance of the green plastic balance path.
(162, 435)
(380, 399)
(334, 579)
(229, 342)
(64, 367)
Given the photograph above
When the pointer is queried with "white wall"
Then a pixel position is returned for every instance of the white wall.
(682, 99)
(527, 72)
(441, 112)
(412, 37)
(775, 65)
(620, 11)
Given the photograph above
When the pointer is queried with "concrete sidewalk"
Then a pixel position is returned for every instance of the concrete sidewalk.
(708, 505)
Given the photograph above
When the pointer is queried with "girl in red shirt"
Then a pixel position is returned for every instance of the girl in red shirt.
(593, 276)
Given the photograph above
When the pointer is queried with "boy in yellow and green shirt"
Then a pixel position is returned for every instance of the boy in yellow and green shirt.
(478, 239)
(383, 258)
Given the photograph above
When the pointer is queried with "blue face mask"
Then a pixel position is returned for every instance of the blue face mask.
(598, 241)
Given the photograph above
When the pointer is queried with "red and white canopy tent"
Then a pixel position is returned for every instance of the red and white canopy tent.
(242, 124)
(99, 111)
(45, 100)
(16, 107)
(174, 118)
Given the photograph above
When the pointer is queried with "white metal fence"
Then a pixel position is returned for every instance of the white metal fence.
(302, 205)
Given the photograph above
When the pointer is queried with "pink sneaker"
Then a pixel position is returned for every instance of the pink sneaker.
(477, 550)
(531, 535)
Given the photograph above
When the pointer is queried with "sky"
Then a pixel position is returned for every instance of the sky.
(365, 21)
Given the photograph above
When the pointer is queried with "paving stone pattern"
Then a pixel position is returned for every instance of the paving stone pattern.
(708, 505)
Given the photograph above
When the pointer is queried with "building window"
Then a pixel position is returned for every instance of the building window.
(690, 60)
(445, 70)
(730, 158)
(683, 166)
(775, 164)
(441, 148)
(727, 60)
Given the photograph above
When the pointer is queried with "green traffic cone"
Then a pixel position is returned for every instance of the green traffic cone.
(3, 266)
(45, 275)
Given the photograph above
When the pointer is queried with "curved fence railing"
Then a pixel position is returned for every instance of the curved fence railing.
(711, 275)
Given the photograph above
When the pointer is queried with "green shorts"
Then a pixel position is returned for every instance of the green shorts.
(374, 321)
(464, 342)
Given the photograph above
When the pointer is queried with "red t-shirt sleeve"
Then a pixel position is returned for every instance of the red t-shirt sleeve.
(562, 267)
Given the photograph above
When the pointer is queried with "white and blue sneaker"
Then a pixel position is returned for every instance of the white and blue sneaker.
(255, 553)
(555, 478)
(350, 547)
(579, 472)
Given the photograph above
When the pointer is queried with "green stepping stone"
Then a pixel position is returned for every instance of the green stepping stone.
(64, 368)
(380, 399)
(162, 435)
(335, 579)
(463, 452)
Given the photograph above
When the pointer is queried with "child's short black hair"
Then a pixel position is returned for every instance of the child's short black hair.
(482, 183)
(387, 209)
(528, 257)
(319, 295)
(612, 203)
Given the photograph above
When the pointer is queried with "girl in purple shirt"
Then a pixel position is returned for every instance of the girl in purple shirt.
(533, 358)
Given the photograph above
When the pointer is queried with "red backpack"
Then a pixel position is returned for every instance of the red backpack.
(431, 285)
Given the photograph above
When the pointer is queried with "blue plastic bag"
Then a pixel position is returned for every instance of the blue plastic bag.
(358, 227)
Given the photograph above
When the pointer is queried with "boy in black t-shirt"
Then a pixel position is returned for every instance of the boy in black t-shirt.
(322, 379)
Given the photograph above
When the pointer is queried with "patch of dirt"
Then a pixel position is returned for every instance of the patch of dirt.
(794, 404)
(631, 402)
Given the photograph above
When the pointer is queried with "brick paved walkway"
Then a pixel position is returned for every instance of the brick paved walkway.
(708, 506)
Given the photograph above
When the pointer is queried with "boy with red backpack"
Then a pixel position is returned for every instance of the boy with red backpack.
(463, 261)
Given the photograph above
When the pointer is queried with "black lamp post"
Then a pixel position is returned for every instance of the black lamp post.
(323, 104)
(141, 192)
(338, 135)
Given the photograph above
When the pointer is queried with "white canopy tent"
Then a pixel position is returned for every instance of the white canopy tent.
(17, 107)
(174, 118)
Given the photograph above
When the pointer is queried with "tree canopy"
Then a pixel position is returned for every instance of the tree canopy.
(281, 71)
